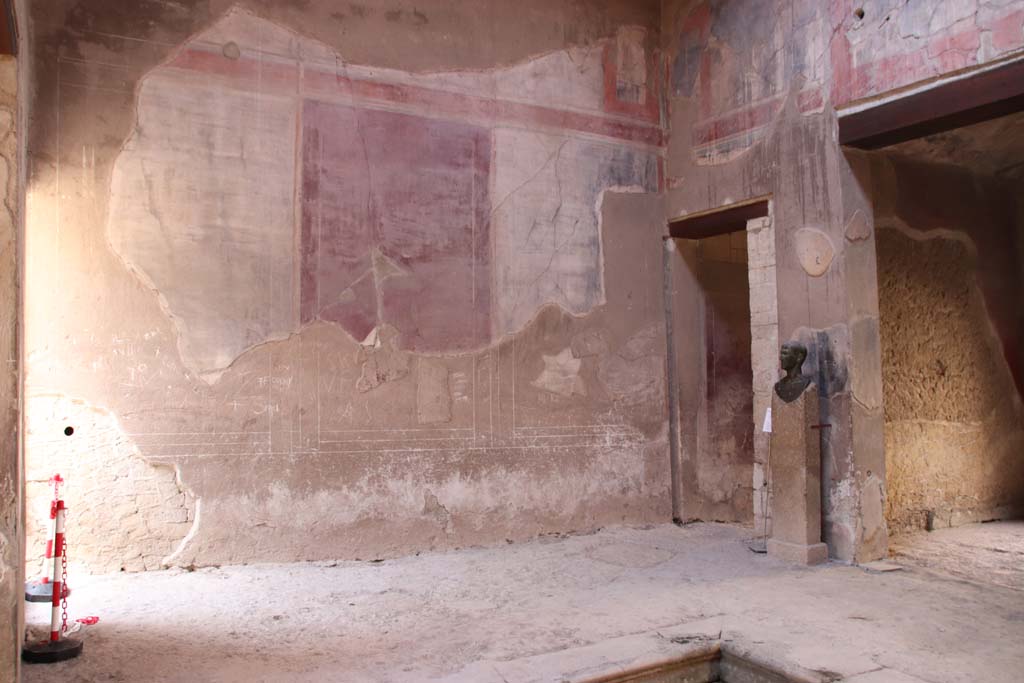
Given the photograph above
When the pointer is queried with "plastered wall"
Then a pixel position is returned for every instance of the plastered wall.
(751, 115)
(343, 279)
(11, 519)
(949, 292)
(355, 279)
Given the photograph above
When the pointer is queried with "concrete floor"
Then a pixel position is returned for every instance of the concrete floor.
(557, 609)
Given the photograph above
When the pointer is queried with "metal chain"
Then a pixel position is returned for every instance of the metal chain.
(64, 587)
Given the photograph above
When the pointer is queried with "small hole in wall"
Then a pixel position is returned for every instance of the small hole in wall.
(231, 50)
(859, 13)
(69, 430)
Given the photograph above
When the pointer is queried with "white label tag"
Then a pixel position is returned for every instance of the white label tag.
(767, 426)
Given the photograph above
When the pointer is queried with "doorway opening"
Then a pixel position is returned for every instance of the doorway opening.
(949, 237)
(944, 171)
(723, 319)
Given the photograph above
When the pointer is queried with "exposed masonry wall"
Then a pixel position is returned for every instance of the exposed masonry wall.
(347, 280)
(949, 291)
(11, 576)
(124, 514)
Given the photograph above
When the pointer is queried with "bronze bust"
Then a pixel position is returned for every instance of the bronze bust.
(792, 356)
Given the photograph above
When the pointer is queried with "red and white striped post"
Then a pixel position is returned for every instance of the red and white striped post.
(53, 526)
(56, 648)
(57, 579)
(40, 590)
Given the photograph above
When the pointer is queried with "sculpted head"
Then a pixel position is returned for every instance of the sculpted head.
(792, 356)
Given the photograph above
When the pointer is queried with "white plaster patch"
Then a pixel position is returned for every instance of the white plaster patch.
(814, 250)
(202, 207)
(561, 375)
(858, 228)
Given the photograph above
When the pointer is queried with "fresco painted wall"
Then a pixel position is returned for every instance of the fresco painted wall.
(296, 305)
(753, 90)
(352, 279)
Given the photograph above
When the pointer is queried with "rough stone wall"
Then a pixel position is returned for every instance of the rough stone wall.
(123, 513)
(345, 280)
(948, 303)
(11, 575)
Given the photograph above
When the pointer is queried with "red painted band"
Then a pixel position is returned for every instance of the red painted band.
(57, 590)
(451, 104)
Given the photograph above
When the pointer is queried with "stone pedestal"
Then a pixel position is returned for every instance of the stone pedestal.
(796, 480)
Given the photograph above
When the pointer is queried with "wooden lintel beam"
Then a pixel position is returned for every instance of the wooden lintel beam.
(8, 29)
(718, 221)
(972, 99)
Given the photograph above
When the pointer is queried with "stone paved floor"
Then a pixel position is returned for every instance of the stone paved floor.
(991, 553)
(554, 609)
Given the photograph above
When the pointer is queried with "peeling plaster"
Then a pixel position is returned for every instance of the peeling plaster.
(160, 218)
(125, 514)
(561, 375)
(389, 366)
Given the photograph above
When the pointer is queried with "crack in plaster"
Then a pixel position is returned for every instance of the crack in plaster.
(559, 292)
(172, 559)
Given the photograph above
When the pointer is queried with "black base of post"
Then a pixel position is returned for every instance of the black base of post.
(758, 545)
(50, 651)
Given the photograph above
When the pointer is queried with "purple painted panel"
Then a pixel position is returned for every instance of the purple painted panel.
(395, 224)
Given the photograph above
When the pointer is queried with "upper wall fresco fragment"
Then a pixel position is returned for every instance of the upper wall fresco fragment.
(269, 184)
(741, 64)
